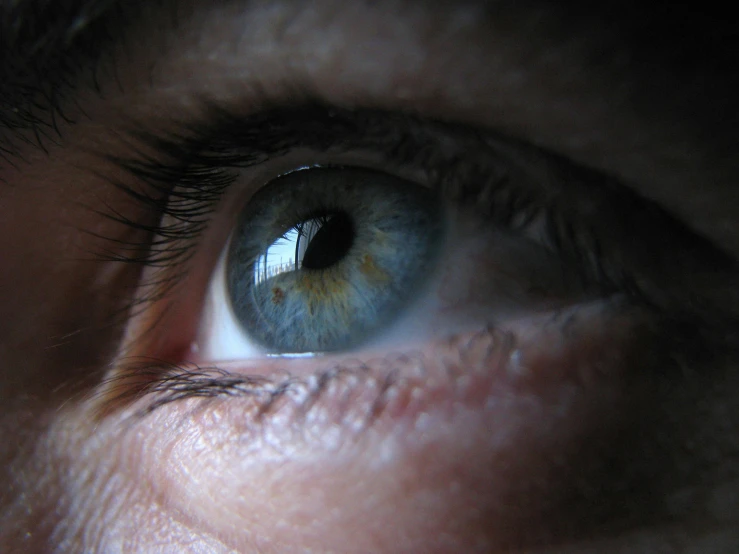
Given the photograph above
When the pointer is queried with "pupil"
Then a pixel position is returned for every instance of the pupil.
(331, 242)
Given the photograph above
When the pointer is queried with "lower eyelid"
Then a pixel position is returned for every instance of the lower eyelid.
(530, 353)
(544, 383)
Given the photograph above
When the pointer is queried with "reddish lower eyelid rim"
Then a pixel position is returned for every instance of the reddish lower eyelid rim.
(530, 357)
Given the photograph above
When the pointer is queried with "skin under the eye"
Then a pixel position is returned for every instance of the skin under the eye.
(605, 428)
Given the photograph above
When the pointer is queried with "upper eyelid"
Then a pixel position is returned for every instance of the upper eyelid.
(209, 149)
(127, 21)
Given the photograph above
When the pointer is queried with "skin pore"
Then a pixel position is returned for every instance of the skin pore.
(613, 430)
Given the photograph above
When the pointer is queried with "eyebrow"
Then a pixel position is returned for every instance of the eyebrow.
(51, 48)
(47, 47)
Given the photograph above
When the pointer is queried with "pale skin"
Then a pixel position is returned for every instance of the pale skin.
(548, 458)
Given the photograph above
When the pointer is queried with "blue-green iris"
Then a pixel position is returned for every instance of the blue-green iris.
(322, 259)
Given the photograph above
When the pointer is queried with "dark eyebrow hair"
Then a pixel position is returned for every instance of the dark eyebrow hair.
(47, 47)
(51, 48)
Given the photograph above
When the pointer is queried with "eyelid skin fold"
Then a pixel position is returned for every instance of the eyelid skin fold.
(511, 355)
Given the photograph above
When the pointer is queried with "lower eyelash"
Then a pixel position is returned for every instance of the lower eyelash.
(361, 393)
(165, 384)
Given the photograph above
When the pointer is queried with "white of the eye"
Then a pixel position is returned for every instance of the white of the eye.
(220, 337)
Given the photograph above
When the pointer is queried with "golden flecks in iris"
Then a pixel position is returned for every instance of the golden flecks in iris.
(369, 269)
(325, 291)
(278, 295)
(322, 285)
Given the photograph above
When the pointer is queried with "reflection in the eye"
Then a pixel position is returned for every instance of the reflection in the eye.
(282, 255)
(286, 253)
(303, 247)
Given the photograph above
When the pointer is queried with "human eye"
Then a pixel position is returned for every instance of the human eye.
(506, 314)
(389, 245)
(364, 277)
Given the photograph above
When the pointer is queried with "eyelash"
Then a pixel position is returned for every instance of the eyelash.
(180, 178)
(180, 193)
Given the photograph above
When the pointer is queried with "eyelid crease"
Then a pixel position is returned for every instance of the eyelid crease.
(615, 239)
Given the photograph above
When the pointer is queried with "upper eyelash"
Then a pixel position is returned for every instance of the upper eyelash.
(180, 177)
(198, 169)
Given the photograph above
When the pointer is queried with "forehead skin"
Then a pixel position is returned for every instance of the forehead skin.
(640, 93)
(643, 96)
